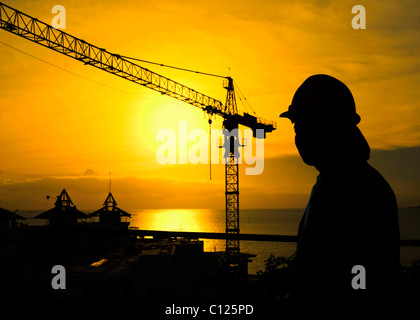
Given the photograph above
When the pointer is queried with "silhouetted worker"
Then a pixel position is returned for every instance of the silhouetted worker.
(351, 218)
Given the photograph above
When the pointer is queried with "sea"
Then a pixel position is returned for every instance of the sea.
(255, 221)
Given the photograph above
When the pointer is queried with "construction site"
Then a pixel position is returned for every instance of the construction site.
(106, 259)
(75, 255)
(101, 255)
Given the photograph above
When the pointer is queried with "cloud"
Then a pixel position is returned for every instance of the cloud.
(274, 47)
(90, 172)
(89, 193)
(285, 183)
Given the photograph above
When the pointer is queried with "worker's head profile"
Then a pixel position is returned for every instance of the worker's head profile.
(324, 115)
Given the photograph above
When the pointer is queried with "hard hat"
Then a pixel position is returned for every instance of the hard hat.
(323, 97)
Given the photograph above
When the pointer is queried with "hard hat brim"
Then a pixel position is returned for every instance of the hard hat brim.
(287, 114)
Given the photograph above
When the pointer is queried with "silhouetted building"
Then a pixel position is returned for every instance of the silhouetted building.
(64, 212)
(110, 214)
(8, 218)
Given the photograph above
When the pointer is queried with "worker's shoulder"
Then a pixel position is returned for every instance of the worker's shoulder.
(372, 189)
(371, 176)
(355, 181)
(361, 173)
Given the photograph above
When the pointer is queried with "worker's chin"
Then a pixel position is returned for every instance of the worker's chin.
(309, 161)
(307, 158)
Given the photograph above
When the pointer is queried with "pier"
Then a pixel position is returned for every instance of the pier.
(232, 236)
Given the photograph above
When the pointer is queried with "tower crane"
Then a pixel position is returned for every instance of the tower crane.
(32, 29)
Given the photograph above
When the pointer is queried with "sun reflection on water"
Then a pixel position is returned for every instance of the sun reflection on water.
(198, 220)
(195, 220)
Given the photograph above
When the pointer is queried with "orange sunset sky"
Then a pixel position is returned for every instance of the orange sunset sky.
(67, 125)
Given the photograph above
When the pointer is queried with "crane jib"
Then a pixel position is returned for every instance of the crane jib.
(32, 29)
(37, 31)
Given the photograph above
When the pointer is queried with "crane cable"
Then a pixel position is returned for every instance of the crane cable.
(173, 67)
(236, 85)
(193, 71)
(71, 72)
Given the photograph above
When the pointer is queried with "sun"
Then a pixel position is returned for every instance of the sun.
(165, 114)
